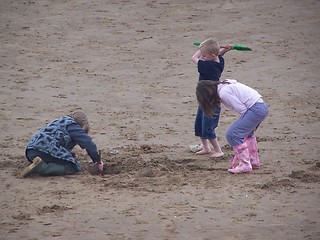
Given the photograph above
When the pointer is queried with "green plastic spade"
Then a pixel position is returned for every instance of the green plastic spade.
(237, 46)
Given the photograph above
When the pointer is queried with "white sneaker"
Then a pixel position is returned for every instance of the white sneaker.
(195, 148)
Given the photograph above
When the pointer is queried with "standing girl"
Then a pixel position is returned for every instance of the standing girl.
(248, 103)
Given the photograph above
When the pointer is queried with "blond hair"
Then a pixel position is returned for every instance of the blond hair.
(210, 46)
(81, 119)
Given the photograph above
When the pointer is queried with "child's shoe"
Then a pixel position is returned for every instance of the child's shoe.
(253, 152)
(28, 170)
(195, 148)
(242, 154)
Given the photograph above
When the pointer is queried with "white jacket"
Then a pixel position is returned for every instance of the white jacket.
(237, 96)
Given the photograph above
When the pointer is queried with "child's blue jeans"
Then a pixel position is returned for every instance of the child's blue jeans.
(247, 124)
(47, 158)
(204, 125)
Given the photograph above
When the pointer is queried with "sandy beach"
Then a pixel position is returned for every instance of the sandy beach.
(127, 64)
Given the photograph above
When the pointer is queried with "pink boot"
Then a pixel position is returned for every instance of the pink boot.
(242, 153)
(253, 152)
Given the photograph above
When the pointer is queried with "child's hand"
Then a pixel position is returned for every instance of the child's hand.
(228, 47)
(225, 49)
(99, 166)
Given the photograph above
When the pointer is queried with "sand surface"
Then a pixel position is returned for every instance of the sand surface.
(127, 64)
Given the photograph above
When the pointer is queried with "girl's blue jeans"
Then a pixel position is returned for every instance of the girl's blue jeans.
(247, 124)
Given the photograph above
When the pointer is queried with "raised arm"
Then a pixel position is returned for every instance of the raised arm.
(195, 58)
(227, 48)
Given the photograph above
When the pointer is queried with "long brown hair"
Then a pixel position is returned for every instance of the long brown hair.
(207, 96)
